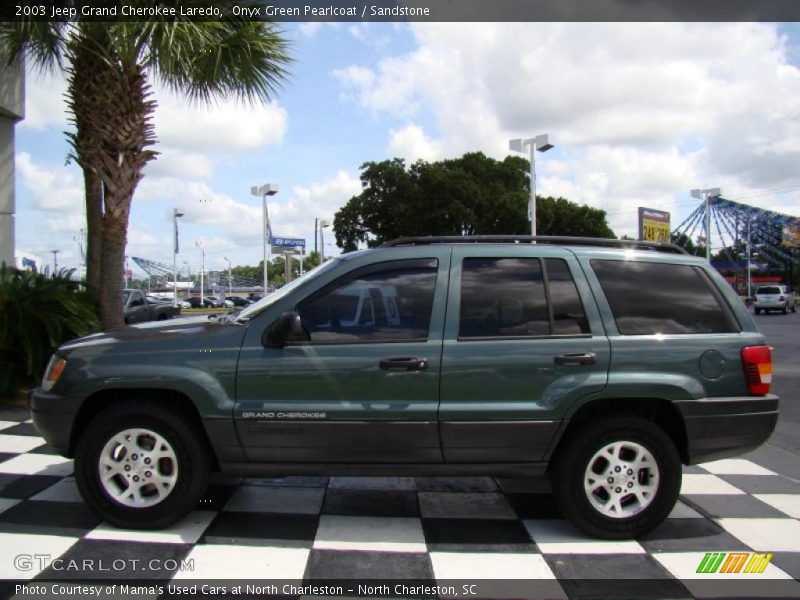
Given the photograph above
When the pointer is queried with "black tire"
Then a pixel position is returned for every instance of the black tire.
(162, 317)
(574, 456)
(194, 463)
(794, 308)
(785, 310)
(757, 311)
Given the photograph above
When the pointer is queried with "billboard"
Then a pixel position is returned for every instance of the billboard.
(791, 235)
(653, 225)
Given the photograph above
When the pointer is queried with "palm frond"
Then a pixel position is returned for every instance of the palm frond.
(41, 44)
(206, 60)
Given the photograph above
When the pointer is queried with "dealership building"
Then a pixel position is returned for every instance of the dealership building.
(12, 109)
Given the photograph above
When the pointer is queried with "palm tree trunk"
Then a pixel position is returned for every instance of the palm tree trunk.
(94, 228)
(112, 265)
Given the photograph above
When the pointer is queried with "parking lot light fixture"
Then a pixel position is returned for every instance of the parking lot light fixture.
(323, 223)
(541, 143)
(268, 189)
(176, 214)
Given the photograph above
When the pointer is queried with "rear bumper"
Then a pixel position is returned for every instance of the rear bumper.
(772, 305)
(722, 427)
(54, 417)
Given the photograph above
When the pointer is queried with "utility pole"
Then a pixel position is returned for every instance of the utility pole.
(230, 281)
(55, 260)
(202, 272)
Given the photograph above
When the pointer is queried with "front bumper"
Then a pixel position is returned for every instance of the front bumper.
(722, 427)
(54, 417)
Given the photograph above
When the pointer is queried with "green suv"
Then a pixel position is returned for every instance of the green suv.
(603, 364)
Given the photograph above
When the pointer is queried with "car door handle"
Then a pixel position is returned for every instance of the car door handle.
(576, 358)
(404, 364)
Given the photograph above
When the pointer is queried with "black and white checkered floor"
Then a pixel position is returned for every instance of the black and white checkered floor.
(395, 528)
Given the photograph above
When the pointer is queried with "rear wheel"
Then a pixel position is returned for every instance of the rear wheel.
(617, 478)
(757, 311)
(142, 465)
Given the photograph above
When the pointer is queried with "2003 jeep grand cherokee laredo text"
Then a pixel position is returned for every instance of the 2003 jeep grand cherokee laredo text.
(604, 364)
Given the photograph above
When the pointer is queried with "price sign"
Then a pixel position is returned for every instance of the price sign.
(653, 225)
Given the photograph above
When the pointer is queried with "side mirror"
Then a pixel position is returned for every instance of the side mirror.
(288, 328)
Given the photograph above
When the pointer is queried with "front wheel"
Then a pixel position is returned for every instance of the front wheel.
(142, 465)
(617, 478)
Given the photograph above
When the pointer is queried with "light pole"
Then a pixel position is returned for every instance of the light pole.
(79, 240)
(230, 284)
(268, 189)
(202, 272)
(706, 195)
(323, 223)
(176, 214)
(55, 260)
(542, 144)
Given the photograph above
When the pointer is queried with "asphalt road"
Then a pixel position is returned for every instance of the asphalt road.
(782, 451)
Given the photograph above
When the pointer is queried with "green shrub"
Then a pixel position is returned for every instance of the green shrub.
(38, 312)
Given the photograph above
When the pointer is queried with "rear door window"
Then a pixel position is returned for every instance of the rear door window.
(508, 297)
(649, 298)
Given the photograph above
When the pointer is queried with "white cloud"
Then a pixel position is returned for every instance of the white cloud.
(295, 215)
(640, 112)
(44, 101)
(411, 143)
(224, 126)
(52, 188)
(175, 163)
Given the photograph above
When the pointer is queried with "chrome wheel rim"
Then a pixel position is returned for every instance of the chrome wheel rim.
(138, 468)
(621, 479)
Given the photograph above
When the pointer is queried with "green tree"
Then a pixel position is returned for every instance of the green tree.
(470, 195)
(685, 242)
(109, 67)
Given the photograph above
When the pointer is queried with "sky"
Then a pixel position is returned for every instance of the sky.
(640, 114)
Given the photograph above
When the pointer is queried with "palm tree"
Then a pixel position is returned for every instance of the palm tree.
(108, 68)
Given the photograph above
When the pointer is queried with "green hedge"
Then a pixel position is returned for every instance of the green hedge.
(38, 312)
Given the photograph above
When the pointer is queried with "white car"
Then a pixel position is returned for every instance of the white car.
(774, 297)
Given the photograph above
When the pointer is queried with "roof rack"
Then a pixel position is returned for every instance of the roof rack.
(539, 239)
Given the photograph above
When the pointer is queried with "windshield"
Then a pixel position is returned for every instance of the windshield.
(255, 309)
(125, 297)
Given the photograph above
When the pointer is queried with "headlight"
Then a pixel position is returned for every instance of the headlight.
(53, 372)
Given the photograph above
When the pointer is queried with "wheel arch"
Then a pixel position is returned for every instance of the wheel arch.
(658, 410)
(103, 399)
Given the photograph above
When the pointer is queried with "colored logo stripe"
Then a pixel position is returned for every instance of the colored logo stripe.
(734, 562)
(758, 563)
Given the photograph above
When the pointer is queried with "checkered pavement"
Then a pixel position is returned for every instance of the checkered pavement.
(316, 528)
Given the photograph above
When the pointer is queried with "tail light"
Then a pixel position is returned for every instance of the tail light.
(757, 364)
(781, 298)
